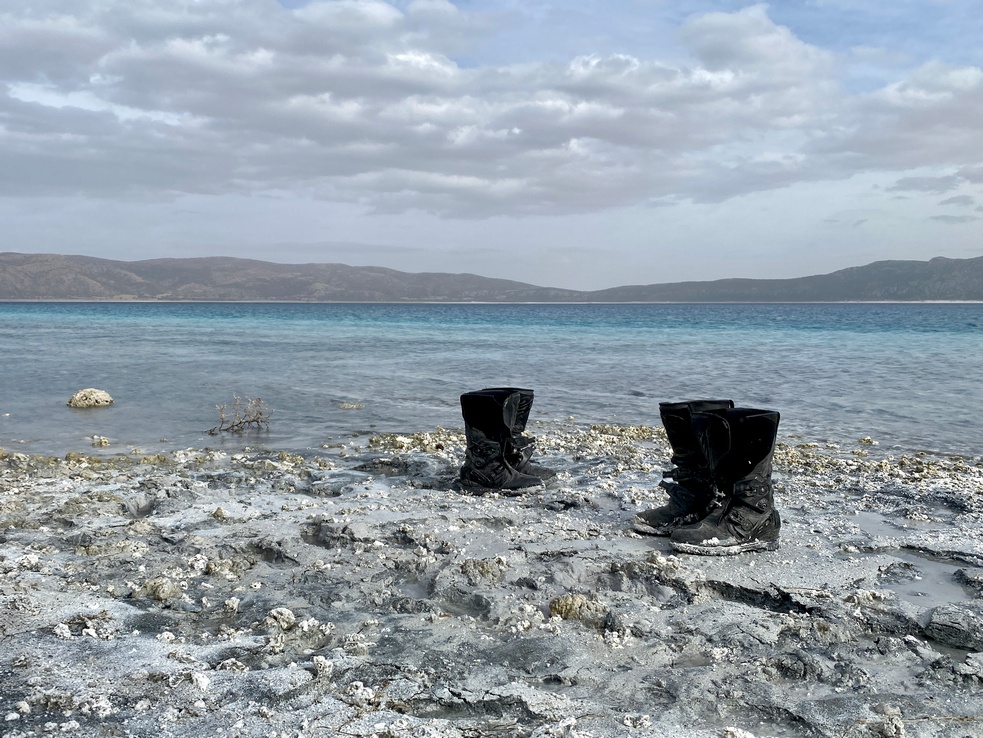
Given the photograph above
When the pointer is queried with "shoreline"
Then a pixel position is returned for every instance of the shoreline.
(356, 592)
(126, 300)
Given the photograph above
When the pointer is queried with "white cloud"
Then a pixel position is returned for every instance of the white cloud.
(748, 41)
(350, 14)
(960, 200)
(342, 93)
(50, 96)
(955, 219)
(926, 184)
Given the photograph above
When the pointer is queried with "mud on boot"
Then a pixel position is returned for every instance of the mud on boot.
(739, 444)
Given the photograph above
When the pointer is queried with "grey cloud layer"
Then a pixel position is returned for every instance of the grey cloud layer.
(356, 100)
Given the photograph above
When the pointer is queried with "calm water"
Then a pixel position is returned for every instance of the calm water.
(908, 375)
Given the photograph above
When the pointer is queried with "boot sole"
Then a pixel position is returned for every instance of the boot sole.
(738, 548)
(478, 491)
(648, 530)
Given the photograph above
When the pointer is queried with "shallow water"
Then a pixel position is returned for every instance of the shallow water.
(907, 375)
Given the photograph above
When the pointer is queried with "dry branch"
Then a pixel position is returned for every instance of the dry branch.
(241, 414)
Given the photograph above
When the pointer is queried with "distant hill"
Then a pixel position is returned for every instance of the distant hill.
(49, 276)
(56, 277)
(937, 279)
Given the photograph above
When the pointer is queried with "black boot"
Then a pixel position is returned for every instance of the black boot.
(739, 445)
(522, 446)
(691, 489)
(488, 460)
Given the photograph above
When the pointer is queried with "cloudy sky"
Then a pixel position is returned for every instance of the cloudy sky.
(585, 143)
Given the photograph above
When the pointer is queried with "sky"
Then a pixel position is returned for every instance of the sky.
(583, 144)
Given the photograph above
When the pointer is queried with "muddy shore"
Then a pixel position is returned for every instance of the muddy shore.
(356, 592)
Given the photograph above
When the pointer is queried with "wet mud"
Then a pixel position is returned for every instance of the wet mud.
(357, 592)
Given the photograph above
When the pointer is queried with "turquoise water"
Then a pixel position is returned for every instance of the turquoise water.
(907, 375)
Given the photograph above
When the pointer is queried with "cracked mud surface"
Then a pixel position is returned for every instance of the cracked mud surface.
(355, 592)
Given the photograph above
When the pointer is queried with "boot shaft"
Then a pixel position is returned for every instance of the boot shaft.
(738, 444)
(677, 418)
(516, 405)
(493, 412)
(524, 404)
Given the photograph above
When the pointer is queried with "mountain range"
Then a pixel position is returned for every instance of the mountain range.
(60, 277)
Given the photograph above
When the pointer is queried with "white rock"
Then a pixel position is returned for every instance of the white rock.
(90, 397)
(283, 617)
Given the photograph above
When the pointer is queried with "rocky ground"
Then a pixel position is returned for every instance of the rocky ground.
(355, 592)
